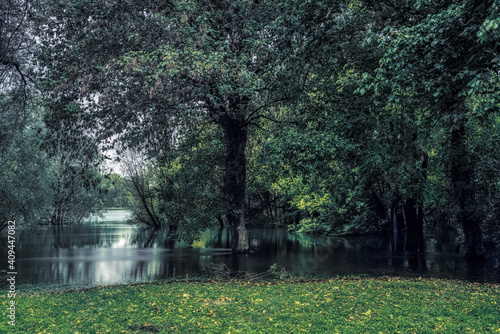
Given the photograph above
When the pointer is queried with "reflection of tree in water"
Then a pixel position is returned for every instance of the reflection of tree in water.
(146, 237)
(444, 240)
(214, 238)
(76, 236)
(162, 237)
(116, 253)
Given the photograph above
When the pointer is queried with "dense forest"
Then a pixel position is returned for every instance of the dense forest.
(321, 116)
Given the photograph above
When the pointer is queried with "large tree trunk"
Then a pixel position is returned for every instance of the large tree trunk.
(420, 204)
(415, 231)
(462, 177)
(235, 133)
(399, 226)
(414, 206)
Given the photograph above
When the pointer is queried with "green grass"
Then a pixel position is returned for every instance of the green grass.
(351, 305)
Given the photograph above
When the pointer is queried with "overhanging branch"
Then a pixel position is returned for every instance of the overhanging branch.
(251, 116)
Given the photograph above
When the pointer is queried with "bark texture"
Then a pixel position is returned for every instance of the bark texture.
(236, 134)
(462, 179)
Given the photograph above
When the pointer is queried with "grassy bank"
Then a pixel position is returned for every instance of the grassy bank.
(356, 305)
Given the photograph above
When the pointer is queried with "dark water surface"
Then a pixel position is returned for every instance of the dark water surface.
(113, 252)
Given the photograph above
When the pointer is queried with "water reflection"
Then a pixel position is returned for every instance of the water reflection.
(114, 252)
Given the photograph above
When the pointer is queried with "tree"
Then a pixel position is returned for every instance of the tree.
(439, 61)
(24, 166)
(149, 71)
(16, 43)
(37, 186)
(395, 146)
(189, 187)
(115, 195)
(139, 180)
(75, 192)
(324, 161)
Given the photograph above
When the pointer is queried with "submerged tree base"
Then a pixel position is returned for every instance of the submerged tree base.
(475, 254)
(241, 251)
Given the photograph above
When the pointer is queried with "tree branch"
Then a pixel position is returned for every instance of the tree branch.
(271, 119)
(250, 118)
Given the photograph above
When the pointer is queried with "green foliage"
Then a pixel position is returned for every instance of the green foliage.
(140, 183)
(24, 168)
(265, 205)
(489, 30)
(372, 136)
(355, 305)
(76, 194)
(435, 65)
(114, 192)
(74, 171)
(333, 114)
(39, 188)
(189, 186)
(183, 191)
(178, 65)
(304, 172)
(483, 133)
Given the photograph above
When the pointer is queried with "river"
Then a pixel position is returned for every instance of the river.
(113, 252)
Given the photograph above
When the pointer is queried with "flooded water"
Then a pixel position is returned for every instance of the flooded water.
(113, 252)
